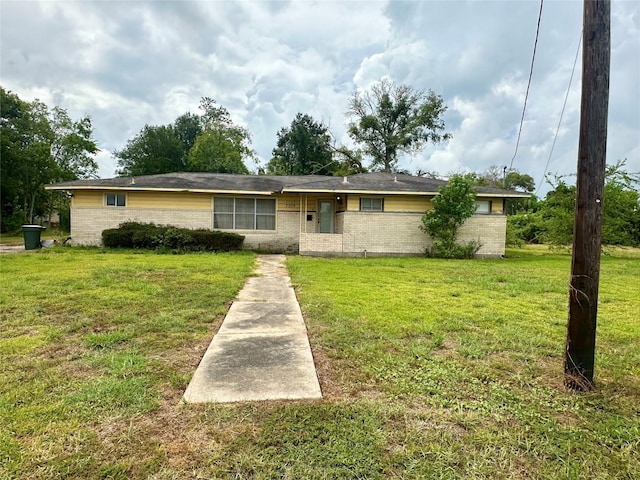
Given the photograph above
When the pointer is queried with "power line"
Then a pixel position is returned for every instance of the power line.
(526, 96)
(575, 60)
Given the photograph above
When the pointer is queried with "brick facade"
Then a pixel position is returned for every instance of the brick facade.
(489, 230)
(370, 233)
(376, 233)
(87, 224)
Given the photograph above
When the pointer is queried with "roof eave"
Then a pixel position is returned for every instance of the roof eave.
(135, 188)
(359, 191)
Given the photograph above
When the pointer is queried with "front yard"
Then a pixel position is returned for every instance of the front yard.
(430, 369)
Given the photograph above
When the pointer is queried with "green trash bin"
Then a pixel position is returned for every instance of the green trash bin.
(32, 236)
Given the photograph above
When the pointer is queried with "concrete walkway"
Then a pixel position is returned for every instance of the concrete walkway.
(261, 351)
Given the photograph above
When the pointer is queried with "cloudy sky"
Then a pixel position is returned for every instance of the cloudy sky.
(127, 64)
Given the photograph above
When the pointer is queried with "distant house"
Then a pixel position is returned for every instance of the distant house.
(363, 214)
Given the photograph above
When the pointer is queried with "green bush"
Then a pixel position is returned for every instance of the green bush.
(169, 238)
(217, 241)
(525, 227)
(116, 238)
(453, 250)
(172, 238)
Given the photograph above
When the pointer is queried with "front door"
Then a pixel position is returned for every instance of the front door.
(325, 216)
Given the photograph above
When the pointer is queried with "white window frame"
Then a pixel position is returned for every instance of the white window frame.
(256, 215)
(483, 207)
(118, 199)
(371, 207)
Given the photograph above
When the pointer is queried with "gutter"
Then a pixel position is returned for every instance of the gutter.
(157, 189)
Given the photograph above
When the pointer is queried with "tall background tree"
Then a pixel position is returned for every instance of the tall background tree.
(39, 146)
(156, 149)
(303, 148)
(209, 142)
(391, 119)
(223, 146)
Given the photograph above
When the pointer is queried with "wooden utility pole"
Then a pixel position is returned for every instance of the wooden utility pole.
(587, 231)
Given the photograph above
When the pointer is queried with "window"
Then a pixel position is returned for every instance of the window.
(244, 213)
(483, 207)
(371, 204)
(116, 200)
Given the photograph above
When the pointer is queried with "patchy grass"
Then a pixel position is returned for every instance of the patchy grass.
(430, 369)
(465, 358)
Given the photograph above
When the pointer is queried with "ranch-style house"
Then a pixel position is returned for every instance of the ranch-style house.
(356, 215)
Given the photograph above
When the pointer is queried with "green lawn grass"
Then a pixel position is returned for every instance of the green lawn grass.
(430, 369)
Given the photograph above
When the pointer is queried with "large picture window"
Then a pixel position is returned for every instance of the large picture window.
(244, 213)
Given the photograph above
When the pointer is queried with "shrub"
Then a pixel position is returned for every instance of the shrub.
(453, 205)
(453, 250)
(217, 241)
(172, 238)
(116, 238)
(169, 238)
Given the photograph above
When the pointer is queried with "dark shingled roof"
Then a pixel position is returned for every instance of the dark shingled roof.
(224, 182)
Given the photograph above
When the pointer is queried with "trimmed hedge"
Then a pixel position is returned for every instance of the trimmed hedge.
(166, 237)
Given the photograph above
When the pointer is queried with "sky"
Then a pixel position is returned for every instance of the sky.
(127, 64)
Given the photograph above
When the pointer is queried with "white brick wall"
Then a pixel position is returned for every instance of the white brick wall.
(399, 234)
(489, 230)
(376, 232)
(87, 224)
(285, 238)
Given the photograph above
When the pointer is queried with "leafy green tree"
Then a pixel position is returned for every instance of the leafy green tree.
(557, 213)
(73, 148)
(453, 205)
(515, 180)
(347, 161)
(303, 148)
(551, 220)
(621, 216)
(156, 149)
(187, 128)
(215, 151)
(391, 119)
(209, 142)
(39, 146)
(223, 146)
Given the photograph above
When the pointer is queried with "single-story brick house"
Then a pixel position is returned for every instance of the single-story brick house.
(363, 214)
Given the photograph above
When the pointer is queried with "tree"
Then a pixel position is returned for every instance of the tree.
(72, 147)
(304, 148)
(187, 128)
(215, 151)
(347, 161)
(155, 150)
(621, 215)
(551, 220)
(209, 142)
(392, 119)
(515, 180)
(39, 147)
(223, 146)
(453, 205)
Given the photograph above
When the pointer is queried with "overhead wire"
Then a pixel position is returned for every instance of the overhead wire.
(575, 61)
(526, 96)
